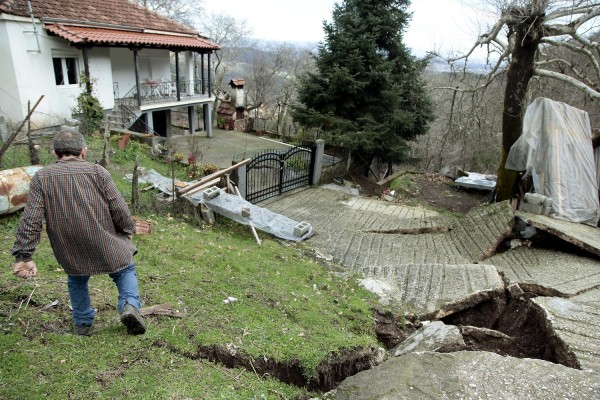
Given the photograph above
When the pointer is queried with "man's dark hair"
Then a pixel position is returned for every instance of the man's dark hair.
(68, 143)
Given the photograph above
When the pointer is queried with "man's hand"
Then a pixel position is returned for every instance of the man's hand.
(25, 269)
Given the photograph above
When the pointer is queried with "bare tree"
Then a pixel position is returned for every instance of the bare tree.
(186, 11)
(232, 36)
(525, 37)
(465, 132)
(271, 80)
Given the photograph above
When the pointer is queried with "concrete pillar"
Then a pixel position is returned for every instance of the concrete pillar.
(168, 122)
(192, 119)
(318, 161)
(207, 111)
(150, 120)
(241, 173)
(189, 72)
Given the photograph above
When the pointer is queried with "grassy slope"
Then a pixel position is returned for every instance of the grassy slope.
(288, 308)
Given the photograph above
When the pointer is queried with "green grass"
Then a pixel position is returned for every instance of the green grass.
(289, 308)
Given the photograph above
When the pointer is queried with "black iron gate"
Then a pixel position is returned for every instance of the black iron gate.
(273, 172)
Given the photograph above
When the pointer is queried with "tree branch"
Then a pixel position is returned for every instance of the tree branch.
(580, 50)
(567, 79)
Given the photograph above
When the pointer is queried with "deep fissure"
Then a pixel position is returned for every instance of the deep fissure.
(509, 324)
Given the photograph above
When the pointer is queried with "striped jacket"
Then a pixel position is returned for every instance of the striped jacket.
(87, 219)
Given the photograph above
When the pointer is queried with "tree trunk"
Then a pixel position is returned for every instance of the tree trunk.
(527, 35)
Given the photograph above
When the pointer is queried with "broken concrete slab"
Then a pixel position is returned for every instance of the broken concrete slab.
(479, 233)
(477, 338)
(332, 210)
(547, 272)
(585, 236)
(468, 375)
(577, 326)
(591, 296)
(434, 291)
(432, 336)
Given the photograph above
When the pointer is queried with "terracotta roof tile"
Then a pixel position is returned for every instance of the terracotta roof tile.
(116, 12)
(100, 36)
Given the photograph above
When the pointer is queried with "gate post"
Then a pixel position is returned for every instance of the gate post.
(318, 169)
(241, 173)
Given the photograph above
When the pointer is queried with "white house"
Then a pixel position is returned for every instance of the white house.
(126, 50)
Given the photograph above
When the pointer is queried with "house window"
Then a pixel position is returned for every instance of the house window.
(66, 71)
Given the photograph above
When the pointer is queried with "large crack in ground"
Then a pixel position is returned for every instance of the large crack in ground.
(509, 324)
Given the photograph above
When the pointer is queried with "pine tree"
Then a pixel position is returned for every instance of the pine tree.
(368, 92)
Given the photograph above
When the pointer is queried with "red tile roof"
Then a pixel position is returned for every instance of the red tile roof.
(112, 37)
(115, 12)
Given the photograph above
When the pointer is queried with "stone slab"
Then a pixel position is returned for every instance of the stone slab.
(577, 325)
(479, 233)
(468, 375)
(431, 336)
(433, 291)
(585, 236)
(548, 272)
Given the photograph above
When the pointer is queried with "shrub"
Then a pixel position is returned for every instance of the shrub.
(88, 108)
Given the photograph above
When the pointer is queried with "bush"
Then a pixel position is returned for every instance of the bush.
(88, 108)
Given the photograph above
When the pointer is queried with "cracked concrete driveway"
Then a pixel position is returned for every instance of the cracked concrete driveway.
(443, 267)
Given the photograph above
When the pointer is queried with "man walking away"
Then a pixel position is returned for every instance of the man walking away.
(89, 227)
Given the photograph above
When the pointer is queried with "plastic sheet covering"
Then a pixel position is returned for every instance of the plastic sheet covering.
(555, 148)
(14, 188)
(157, 180)
(231, 207)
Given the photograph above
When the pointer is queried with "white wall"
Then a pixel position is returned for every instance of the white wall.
(153, 65)
(34, 75)
(26, 75)
(10, 104)
(101, 73)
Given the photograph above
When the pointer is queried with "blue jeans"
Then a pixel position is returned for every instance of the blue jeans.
(127, 285)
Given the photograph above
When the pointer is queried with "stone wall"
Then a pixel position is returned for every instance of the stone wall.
(330, 172)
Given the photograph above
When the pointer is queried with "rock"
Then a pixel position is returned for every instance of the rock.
(515, 291)
(431, 337)
(468, 375)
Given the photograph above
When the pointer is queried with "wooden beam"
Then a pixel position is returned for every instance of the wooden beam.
(218, 174)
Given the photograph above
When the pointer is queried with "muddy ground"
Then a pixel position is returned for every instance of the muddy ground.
(431, 190)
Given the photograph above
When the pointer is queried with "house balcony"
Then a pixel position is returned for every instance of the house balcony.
(157, 95)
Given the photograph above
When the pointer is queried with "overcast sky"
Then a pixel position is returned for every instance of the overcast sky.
(443, 25)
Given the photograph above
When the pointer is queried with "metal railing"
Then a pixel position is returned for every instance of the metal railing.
(130, 119)
(157, 91)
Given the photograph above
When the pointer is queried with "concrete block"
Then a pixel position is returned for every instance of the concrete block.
(532, 208)
(211, 192)
(301, 228)
(546, 210)
(537, 199)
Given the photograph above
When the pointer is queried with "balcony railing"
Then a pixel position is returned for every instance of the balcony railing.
(160, 92)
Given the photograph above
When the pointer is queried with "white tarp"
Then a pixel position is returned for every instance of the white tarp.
(231, 207)
(555, 148)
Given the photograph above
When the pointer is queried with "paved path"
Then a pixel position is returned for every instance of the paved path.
(221, 148)
(438, 265)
